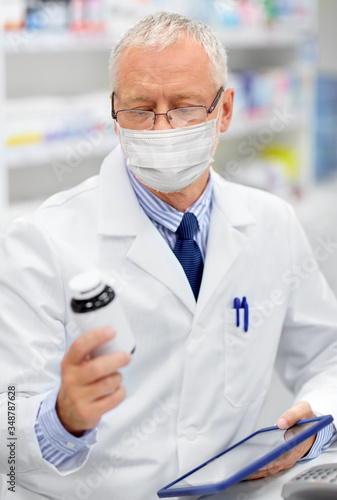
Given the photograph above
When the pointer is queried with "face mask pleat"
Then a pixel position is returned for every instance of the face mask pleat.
(168, 184)
(177, 147)
(169, 160)
(170, 133)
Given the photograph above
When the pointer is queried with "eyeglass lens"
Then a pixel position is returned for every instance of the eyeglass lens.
(178, 118)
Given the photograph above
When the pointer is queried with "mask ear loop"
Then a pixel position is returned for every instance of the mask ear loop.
(219, 111)
(217, 129)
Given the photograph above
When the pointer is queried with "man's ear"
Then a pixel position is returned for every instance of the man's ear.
(227, 103)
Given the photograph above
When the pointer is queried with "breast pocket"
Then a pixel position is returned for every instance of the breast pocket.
(249, 357)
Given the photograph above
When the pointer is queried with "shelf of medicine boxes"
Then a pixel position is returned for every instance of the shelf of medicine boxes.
(31, 142)
(64, 153)
(35, 41)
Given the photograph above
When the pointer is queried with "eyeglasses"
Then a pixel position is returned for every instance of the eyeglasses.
(138, 119)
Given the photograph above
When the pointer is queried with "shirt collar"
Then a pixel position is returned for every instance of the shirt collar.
(163, 213)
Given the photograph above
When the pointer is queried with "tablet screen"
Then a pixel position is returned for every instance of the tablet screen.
(225, 466)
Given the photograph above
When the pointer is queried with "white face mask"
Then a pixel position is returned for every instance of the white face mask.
(169, 160)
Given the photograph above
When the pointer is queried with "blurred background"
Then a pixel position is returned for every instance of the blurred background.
(55, 124)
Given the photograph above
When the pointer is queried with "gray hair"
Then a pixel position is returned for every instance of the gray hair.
(163, 29)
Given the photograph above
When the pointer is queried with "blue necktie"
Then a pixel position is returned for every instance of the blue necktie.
(188, 252)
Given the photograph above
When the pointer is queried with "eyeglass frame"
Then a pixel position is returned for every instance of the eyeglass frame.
(208, 110)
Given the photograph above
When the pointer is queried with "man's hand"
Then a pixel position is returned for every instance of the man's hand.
(300, 411)
(89, 387)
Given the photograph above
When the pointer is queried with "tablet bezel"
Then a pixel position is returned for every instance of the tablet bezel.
(207, 489)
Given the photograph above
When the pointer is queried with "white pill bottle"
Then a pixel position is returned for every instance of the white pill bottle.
(95, 305)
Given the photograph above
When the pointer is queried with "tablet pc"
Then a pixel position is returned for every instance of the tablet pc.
(243, 459)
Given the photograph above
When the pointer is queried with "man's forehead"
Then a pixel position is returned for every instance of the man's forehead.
(180, 71)
(178, 55)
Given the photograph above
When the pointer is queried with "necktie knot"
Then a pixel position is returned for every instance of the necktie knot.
(187, 227)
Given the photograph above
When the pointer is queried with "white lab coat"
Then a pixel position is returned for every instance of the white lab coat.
(196, 382)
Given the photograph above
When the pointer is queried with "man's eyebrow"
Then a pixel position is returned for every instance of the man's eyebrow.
(135, 97)
(187, 95)
(175, 97)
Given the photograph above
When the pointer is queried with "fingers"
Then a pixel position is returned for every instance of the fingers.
(286, 461)
(300, 411)
(110, 401)
(79, 416)
(101, 388)
(269, 471)
(89, 387)
(102, 366)
(85, 343)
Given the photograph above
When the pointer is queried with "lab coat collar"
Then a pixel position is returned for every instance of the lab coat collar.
(119, 212)
(120, 215)
(116, 196)
(229, 203)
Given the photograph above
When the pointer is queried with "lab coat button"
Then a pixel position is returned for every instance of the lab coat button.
(197, 332)
(191, 433)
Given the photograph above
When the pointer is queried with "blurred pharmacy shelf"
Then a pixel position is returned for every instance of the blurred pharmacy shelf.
(276, 37)
(61, 153)
(247, 126)
(40, 42)
(3, 164)
(41, 130)
(24, 41)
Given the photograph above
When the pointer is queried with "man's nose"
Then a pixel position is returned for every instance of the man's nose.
(162, 122)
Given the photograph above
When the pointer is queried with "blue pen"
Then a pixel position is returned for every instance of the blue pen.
(237, 307)
(244, 305)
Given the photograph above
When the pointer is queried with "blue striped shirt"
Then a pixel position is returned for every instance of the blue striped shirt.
(61, 448)
(323, 440)
(167, 219)
(57, 445)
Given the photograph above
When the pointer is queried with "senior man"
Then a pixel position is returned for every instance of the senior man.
(179, 244)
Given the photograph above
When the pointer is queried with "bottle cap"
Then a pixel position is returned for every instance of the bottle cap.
(86, 285)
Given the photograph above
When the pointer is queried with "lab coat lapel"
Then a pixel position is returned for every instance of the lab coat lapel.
(226, 238)
(152, 253)
(120, 215)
